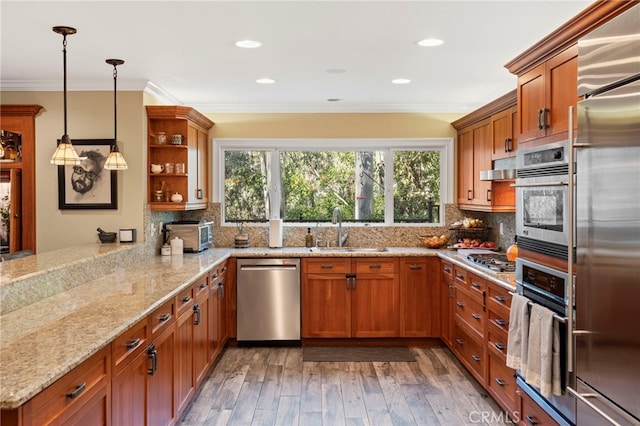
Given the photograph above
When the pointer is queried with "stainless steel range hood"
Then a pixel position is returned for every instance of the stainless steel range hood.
(503, 169)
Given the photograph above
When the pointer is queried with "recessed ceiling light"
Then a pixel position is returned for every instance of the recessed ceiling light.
(248, 44)
(430, 42)
(265, 81)
(336, 71)
(401, 81)
(334, 99)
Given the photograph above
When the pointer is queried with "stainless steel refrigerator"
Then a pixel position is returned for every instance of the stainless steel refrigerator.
(606, 335)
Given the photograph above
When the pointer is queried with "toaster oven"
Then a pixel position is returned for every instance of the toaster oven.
(196, 236)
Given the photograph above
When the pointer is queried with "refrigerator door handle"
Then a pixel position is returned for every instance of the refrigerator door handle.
(583, 397)
(570, 238)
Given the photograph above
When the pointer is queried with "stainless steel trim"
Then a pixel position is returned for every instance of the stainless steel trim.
(529, 185)
(570, 237)
(499, 174)
(555, 316)
(583, 399)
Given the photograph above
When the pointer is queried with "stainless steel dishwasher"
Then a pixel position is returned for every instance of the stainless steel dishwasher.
(268, 299)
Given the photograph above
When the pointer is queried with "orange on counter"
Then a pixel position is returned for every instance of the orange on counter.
(512, 252)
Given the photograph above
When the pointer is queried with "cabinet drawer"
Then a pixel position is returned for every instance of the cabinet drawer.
(162, 317)
(128, 345)
(497, 343)
(376, 266)
(498, 298)
(470, 351)
(201, 287)
(184, 300)
(70, 393)
(478, 286)
(447, 269)
(501, 382)
(333, 265)
(469, 310)
(531, 413)
(499, 321)
(461, 276)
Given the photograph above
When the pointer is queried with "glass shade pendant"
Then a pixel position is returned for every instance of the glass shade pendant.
(65, 154)
(115, 160)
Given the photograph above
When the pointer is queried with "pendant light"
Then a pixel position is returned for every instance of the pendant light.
(65, 154)
(115, 160)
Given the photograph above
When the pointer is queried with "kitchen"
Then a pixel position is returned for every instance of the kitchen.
(382, 132)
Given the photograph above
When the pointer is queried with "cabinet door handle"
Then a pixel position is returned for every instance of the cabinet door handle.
(509, 144)
(77, 391)
(469, 196)
(164, 317)
(460, 304)
(488, 195)
(460, 341)
(353, 282)
(196, 310)
(531, 420)
(152, 354)
(327, 266)
(500, 382)
(450, 292)
(476, 317)
(132, 343)
(476, 358)
(499, 346)
(348, 279)
(540, 111)
(415, 266)
(221, 290)
(375, 266)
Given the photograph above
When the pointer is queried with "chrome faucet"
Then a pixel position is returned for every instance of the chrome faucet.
(337, 219)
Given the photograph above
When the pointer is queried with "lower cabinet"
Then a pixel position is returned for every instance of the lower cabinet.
(161, 409)
(470, 351)
(217, 332)
(419, 307)
(531, 413)
(446, 298)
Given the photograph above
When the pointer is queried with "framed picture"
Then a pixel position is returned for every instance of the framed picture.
(88, 185)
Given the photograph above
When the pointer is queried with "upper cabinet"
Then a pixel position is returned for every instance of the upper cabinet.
(547, 76)
(487, 134)
(178, 158)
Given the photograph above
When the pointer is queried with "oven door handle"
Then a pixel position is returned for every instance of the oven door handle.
(530, 185)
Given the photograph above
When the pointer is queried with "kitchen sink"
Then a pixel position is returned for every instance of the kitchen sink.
(351, 249)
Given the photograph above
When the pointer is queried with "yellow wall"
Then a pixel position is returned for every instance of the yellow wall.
(90, 116)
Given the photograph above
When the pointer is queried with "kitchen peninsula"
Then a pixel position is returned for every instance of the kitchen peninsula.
(52, 334)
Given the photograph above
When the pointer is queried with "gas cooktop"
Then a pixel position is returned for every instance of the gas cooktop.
(495, 262)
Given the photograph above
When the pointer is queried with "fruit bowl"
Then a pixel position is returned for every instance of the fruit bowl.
(434, 242)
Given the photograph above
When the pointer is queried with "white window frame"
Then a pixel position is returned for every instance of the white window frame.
(389, 145)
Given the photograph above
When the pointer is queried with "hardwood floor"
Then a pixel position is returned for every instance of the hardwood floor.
(272, 386)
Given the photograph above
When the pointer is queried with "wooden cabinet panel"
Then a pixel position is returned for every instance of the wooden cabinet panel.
(469, 311)
(503, 139)
(465, 166)
(129, 345)
(326, 302)
(163, 317)
(375, 305)
(161, 398)
(336, 265)
(470, 351)
(419, 307)
(478, 287)
(501, 383)
(531, 413)
(184, 380)
(375, 266)
(129, 392)
(447, 294)
(481, 161)
(531, 101)
(200, 335)
(83, 392)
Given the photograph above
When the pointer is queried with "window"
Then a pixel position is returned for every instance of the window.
(373, 181)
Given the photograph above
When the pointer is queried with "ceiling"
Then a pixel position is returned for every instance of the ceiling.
(315, 50)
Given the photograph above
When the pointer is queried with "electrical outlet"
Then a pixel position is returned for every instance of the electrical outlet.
(152, 228)
(160, 228)
(501, 229)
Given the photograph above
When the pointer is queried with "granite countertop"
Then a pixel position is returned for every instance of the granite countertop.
(46, 338)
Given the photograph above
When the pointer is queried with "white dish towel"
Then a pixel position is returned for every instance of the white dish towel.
(543, 356)
(518, 337)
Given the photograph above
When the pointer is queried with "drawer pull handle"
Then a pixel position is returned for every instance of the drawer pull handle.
(500, 322)
(326, 266)
(203, 285)
(446, 269)
(78, 390)
(500, 299)
(164, 317)
(460, 304)
(186, 299)
(415, 266)
(459, 276)
(531, 420)
(214, 276)
(475, 284)
(476, 358)
(375, 266)
(499, 346)
(476, 316)
(132, 343)
(500, 382)
(460, 341)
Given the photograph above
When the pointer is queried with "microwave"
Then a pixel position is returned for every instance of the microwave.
(196, 236)
(542, 198)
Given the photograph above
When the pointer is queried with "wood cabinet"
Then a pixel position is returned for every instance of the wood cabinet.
(447, 297)
(193, 152)
(201, 309)
(531, 413)
(82, 396)
(343, 297)
(419, 307)
(545, 94)
(20, 173)
(218, 311)
(485, 135)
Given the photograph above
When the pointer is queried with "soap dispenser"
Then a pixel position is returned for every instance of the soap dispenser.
(308, 239)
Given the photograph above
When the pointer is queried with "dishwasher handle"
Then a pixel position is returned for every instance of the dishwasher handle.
(268, 267)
